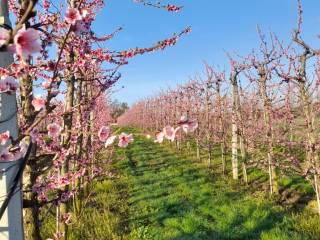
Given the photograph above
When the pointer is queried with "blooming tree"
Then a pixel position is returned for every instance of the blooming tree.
(62, 74)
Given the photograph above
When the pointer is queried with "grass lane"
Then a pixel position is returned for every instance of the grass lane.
(161, 195)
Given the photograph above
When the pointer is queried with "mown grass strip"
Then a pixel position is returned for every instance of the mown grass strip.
(161, 195)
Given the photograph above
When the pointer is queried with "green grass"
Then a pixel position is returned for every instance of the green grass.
(163, 195)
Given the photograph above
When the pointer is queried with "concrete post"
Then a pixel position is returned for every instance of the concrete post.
(11, 224)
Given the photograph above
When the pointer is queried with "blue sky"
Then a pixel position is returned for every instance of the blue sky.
(217, 25)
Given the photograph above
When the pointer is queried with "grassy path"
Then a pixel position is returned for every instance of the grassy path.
(160, 195)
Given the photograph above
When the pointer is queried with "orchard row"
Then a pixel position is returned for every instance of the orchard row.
(60, 72)
(263, 111)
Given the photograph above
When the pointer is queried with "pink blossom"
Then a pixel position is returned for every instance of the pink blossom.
(7, 156)
(21, 152)
(125, 139)
(72, 16)
(38, 103)
(169, 133)
(46, 4)
(8, 84)
(159, 137)
(12, 83)
(4, 137)
(110, 141)
(84, 13)
(54, 130)
(46, 84)
(104, 133)
(64, 181)
(26, 42)
(188, 125)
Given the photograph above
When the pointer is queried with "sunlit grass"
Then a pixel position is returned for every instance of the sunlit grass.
(164, 195)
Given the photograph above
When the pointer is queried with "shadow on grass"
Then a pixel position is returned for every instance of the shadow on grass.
(161, 195)
(175, 198)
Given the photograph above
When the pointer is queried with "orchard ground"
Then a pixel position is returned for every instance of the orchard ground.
(160, 193)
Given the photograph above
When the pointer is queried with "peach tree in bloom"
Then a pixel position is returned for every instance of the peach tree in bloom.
(62, 76)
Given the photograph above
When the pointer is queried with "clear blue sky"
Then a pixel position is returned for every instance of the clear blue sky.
(216, 25)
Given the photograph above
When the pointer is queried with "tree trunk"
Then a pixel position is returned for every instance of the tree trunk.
(77, 200)
(88, 137)
(223, 157)
(67, 126)
(235, 131)
(31, 215)
(306, 100)
(207, 117)
(198, 149)
(221, 129)
(268, 131)
(244, 172)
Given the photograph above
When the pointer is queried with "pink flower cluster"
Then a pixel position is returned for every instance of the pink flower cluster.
(104, 136)
(38, 103)
(77, 19)
(188, 125)
(25, 42)
(4, 137)
(8, 85)
(16, 154)
(125, 139)
(54, 130)
(168, 132)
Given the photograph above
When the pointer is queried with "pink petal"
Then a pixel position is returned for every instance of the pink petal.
(38, 103)
(4, 137)
(104, 133)
(26, 42)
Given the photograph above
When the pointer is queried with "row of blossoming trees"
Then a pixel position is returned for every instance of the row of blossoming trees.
(263, 111)
(61, 75)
